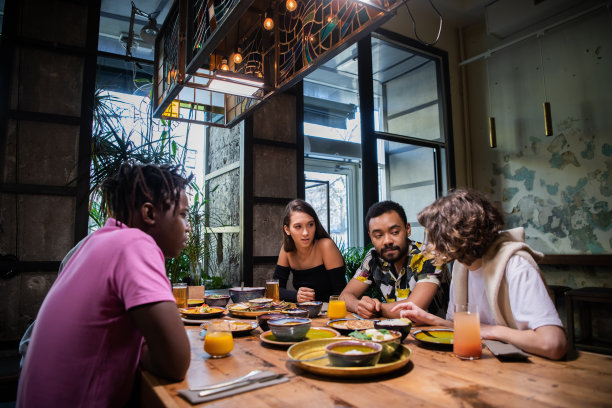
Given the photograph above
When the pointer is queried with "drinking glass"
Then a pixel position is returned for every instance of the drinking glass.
(272, 290)
(466, 336)
(179, 290)
(218, 341)
(336, 308)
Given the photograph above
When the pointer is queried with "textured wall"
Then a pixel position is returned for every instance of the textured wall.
(559, 188)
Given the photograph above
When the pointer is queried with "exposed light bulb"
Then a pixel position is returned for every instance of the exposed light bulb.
(268, 23)
(291, 5)
(224, 66)
(238, 56)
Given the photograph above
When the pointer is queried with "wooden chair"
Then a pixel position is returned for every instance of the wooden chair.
(583, 299)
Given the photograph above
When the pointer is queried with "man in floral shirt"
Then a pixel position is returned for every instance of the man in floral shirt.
(397, 266)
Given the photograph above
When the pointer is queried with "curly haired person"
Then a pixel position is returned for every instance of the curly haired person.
(494, 269)
(111, 308)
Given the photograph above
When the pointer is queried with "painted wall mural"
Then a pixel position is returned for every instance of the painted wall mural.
(560, 190)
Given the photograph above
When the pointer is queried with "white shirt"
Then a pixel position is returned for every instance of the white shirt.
(531, 304)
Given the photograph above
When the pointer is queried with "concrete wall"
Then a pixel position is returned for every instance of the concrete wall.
(40, 152)
(557, 187)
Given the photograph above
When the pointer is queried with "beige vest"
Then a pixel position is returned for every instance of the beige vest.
(509, 243)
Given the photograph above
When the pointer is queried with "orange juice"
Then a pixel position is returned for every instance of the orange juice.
(218, 344)
(466, 336)
(336, 308)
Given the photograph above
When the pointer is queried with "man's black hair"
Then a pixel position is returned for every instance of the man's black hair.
(378, 209)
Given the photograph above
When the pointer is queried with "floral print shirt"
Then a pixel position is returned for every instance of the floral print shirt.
(397, 286)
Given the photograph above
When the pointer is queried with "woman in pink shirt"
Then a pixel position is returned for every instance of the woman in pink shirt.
(112, 308)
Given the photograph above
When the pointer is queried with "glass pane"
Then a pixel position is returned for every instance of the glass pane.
(331, 99)
(406, 94)
(317, 184)
(407, 176)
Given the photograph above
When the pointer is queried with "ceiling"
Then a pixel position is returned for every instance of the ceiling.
(115, 20)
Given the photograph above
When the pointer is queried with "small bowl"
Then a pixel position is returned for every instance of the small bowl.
(401, 325)
(389, 346)
(239, 295)
(260, 303)
(289, 328)
(313, 307)
(263, 319)
(366, 353)
(216, 300)
(295, 312)
(194, 302)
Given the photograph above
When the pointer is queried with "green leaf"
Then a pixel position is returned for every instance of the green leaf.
(359, 335)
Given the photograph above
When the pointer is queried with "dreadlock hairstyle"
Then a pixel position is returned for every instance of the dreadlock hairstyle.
(135, 184)
(298, 205)
(461, 226)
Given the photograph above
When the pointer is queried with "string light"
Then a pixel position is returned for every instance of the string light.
(224, 66)
(238, 56)
(268, 22)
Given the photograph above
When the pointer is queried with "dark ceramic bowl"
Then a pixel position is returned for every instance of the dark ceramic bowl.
(314, 307)
(239, 295)
(295, 312)
(263, 319)
(289, 328)
(216, 300)
(401, 325)
(367, 353)
(389, 346)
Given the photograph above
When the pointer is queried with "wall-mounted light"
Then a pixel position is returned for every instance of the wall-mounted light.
(268, 21)
(291, 5)
(224, 66)
(149, 31)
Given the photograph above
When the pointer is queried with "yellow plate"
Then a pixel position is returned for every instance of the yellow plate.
(438, 337)
(194, 313)
(316, 348)
(237, 327)
(313, 333)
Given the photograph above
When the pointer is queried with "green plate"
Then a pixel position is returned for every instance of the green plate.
(437, 337)
(311, 349)
(313, 333)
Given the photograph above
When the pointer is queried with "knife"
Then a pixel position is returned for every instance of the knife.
(240, 384)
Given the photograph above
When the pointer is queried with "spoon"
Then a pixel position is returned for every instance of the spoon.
(226, 383)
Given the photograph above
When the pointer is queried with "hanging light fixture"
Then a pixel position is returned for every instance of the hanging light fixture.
(548, 131)
(268, 21)
(238, 56)
(492, 130)
(238, 53)
(291, 5)
(224, 66)
(149, 31)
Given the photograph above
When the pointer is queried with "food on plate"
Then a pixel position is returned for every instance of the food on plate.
(372, 334)
(359, 324)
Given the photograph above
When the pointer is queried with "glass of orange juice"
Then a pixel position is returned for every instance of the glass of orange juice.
(336, 308)
(218, 341)
(466, 336)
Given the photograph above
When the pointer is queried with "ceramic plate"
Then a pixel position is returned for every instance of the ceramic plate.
(242, 309)
(193, 313)
(316, 348)
(313, 333)
(239, 327)
(340, 325)
(437, 337)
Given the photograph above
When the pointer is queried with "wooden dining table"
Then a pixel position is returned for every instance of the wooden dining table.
(433, 377)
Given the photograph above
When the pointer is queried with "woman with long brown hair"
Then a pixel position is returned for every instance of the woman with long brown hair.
(310, 255)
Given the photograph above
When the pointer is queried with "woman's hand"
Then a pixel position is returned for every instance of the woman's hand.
(305, 294)
(418, 315)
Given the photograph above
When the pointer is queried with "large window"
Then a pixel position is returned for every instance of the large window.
(409, 127)
(410, 131)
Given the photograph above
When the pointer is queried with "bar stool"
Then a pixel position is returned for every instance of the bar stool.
(583, 299)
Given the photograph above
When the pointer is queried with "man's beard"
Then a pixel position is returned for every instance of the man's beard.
(392, 259)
